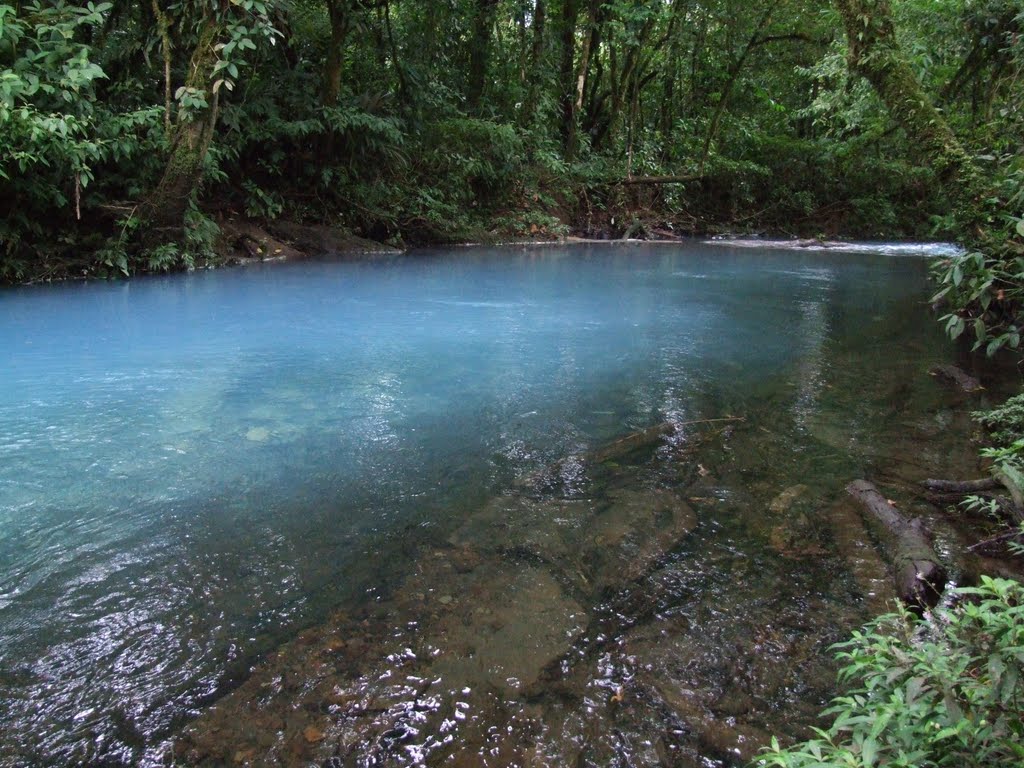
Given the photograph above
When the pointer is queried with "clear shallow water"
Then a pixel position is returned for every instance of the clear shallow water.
(193, 468)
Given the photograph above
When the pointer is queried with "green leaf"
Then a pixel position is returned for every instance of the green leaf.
(868, 752)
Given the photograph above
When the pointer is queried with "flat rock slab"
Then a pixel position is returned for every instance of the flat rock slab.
(464, 633)
(505, 623)
(632, 534)
(590, 545)
(455, 665)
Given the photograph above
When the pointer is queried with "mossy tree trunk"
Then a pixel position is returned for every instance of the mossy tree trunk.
(875, 54)
(163, 212)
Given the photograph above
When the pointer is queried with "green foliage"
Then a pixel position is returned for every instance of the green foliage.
(945, 691)
(49, 142)
(1005, 423)
(57, 138)
(794, 143)
(985, 294)
(984, 287)
(260, 204)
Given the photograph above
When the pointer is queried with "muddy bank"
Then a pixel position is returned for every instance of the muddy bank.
(244, 241)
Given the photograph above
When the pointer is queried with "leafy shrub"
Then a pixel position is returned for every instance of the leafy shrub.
(1005, 423)
(985, 293)
(985, 286)
(62, 149)
(945, 691)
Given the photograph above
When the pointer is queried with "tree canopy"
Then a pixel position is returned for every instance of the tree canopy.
(131, 132)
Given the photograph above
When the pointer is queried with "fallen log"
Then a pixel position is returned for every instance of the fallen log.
(998, 504)
(946, 499)
(960, 378)
(962, 486)
(919, 577)
(862, 558)
(635, 441)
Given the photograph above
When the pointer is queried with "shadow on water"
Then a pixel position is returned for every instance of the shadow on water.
(382, 515)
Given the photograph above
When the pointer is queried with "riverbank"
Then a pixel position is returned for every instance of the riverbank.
(224, 236)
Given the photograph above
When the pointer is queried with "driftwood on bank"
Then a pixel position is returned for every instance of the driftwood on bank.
(249, 240)
(999, 539)
(631, 442)
(919, 576)
(647, 438)
(963, 380)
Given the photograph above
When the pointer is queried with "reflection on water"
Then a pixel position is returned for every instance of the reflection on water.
(400, 456)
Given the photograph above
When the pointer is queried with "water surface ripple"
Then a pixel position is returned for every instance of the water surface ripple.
(193, 468)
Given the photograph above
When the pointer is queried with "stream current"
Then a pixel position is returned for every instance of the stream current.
(382, 513)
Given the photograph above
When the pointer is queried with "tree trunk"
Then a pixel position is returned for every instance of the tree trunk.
(164, 26)
(624, 86)
(919, 576)
(536, 62)
(667, 110)
(590, 36)
(590, 43)
(735, 69)
(164, 210)
(479, 51)
(404, 96)
(875, 55)
(566, 75)
(335, 53)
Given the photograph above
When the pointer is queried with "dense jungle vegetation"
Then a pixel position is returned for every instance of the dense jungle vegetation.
(134, 133)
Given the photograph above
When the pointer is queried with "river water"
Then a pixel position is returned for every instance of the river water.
(375, 513)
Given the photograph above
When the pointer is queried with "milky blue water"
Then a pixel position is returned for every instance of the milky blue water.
(194, 466)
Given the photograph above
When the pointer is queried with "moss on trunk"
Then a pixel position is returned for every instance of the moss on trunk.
(875, 55)
(163, 212)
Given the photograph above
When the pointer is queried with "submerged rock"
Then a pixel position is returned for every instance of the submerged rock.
(545, 631)
(258, 435)
(781, 504)
(593, 545)
(631, 535)
(418, 680)
(508, 642)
